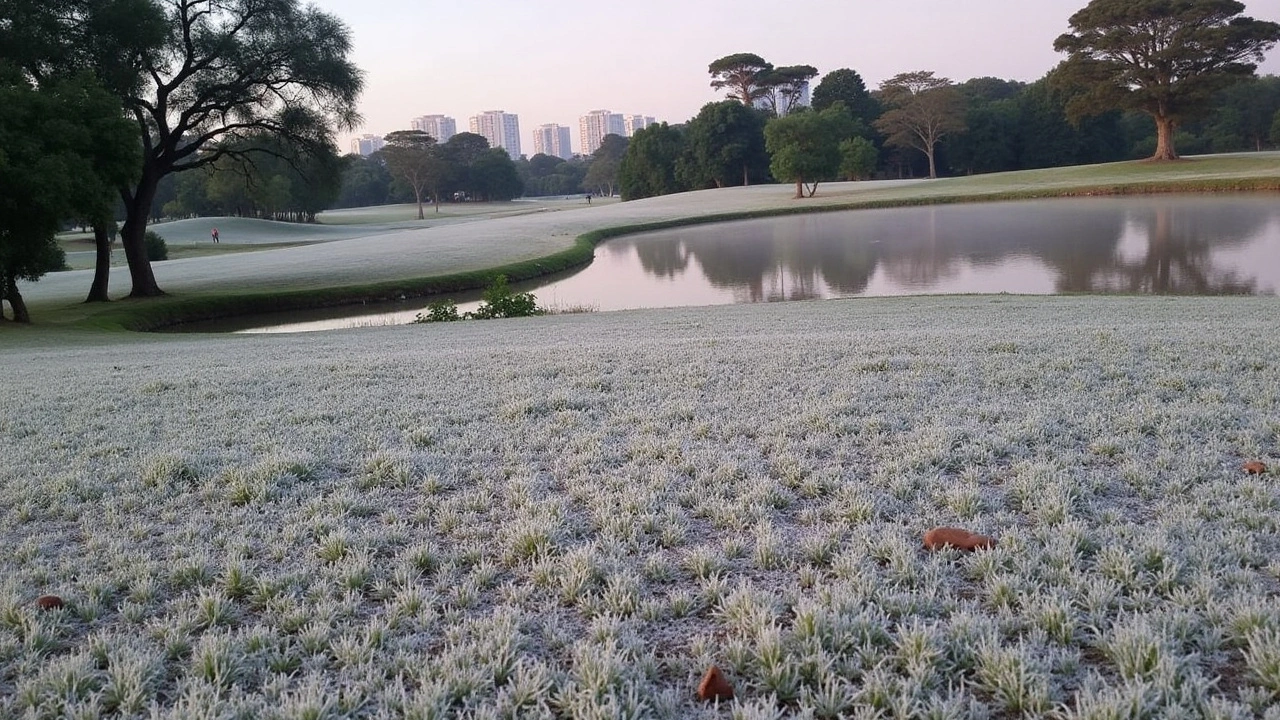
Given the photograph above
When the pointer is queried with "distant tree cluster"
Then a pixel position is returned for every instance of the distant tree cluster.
(414, 168)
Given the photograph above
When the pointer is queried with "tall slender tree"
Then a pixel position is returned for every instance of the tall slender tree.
(1166, 58)
(922, 110)
(414, 158)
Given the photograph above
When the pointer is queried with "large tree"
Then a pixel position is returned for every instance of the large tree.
(921, 110)
(602, 173)
(1166, 58)
(415, 159)
(648, 168)
(746, 77)
(805, 146)
(724, 145)
(64, 145)
(846, 86)
(235, 69)
(55, 42)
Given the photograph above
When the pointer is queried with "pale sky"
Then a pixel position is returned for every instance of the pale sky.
(551, 62)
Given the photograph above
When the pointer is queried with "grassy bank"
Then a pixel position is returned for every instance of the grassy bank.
(574, 516)
(392, 264)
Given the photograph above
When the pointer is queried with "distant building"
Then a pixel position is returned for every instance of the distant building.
(632, 123)
(501, 129)
(440, 127)
(367, 145)
(553, 140)
(593, 126)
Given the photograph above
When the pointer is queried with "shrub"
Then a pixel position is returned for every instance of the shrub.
(156, 247)
(500, 302)
(439, 311)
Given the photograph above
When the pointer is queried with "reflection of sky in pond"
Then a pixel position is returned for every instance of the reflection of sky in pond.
(1171, 244)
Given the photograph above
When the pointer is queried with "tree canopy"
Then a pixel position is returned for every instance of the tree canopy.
(1166, 58)
(724, 146)
(64, 146)
(846, 86)
(227, 72)
(805, 146)
(415, 159)
(922, 109)
(744, 75)
(649, 166)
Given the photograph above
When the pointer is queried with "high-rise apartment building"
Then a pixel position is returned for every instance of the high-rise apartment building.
(632, 123)
(367, 145)
(501, 129)
(593, 126)
(440, 127)
(554, 140)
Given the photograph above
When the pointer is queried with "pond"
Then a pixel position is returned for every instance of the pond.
(1170, 244)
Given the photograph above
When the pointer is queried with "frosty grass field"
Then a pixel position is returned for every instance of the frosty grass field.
(574, 516)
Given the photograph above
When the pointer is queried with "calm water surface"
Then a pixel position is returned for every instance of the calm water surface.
(1185, 245)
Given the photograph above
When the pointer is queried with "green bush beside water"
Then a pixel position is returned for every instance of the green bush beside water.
(499, 302)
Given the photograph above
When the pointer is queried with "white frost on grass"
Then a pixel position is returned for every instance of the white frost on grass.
(572, 516)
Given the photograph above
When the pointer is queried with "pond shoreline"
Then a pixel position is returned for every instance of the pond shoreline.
(177, 308)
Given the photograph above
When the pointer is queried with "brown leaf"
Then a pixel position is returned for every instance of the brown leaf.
(715, 686)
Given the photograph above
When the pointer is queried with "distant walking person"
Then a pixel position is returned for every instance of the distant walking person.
(215, 234)
(588, 199)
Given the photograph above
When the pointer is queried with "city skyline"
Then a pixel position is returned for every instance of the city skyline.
(652, 58)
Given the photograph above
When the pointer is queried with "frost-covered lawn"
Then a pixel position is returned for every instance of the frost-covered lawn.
(573, 516)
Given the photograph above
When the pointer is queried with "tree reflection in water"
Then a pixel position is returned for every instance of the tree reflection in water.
(1081, 245)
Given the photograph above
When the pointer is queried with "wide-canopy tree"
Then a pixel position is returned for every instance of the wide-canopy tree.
(746, 77)
(415, 159)
(921, 110)
(805, 146)
(1166, 58)
(231, 70)
(786, 85)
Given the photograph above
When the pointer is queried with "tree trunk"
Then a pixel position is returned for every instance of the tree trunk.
(16, 302)
(1165, 127)
(102, 267)
(417, 194)
(933, 168)
(799, 189)
(132, 237)
(746, 179)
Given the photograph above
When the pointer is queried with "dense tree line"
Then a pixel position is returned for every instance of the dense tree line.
(1092, 108)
